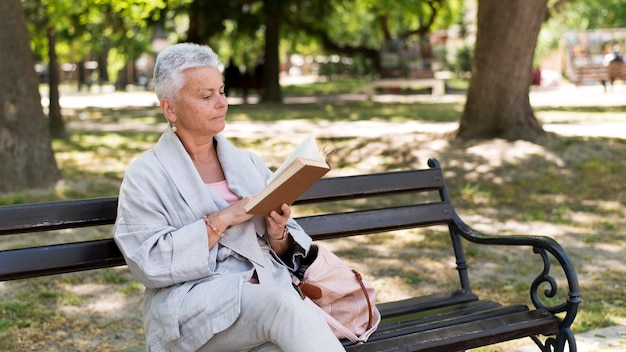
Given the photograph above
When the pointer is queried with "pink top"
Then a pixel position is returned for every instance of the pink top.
(222, 189)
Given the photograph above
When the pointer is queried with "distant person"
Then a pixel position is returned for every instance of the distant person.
(614, 56)
(615, 63)
(231, 74)
(259, 69)
(259, 73)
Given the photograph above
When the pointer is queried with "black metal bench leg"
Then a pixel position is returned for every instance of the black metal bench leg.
(558, 343)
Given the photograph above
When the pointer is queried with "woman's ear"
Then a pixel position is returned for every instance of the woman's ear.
(168, 109)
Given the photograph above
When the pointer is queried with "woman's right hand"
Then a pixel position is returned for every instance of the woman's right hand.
(219, 221)
(236, 212)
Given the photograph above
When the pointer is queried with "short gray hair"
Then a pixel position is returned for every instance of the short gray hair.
(175, 59)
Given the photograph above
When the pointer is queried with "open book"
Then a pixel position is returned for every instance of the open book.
(301, 170)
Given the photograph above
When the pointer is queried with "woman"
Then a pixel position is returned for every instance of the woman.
(217, 279)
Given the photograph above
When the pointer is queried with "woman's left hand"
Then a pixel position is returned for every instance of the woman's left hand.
(276, 222)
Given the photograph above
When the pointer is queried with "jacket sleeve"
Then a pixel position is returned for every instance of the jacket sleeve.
(159, 253)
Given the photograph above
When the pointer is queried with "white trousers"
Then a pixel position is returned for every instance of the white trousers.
(275, 320)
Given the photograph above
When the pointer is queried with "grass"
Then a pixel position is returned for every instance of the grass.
(570, 188)
(327, 87)
(349, 111)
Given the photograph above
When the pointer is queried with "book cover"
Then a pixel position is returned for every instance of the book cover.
(301, 170)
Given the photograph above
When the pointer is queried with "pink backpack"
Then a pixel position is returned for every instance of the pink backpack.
(348, 301)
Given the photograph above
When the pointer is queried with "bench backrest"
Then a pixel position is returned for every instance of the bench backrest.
(591, 72)
(68, 257)
(617, 70)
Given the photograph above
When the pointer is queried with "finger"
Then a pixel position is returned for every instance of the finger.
(286, 210)
(274, 220)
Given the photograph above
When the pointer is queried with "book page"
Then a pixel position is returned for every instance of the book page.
(301, 170)
(306, 149)
(299, 176)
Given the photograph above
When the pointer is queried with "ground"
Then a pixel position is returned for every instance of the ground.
(101, 310)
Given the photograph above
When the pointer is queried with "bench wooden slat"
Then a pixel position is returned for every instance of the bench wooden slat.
(378, 220)
(446, 316)
(468, 335)
(453, 318)
(409, 317)
(57, 215)
(350, 187)
(55, 259)
(102, 211)
(432, 301)
(61, 258)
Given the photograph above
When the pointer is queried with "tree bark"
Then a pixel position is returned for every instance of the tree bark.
(497, 104)
(26, 157)
(57, 125)
(195, 32)
(271, 83)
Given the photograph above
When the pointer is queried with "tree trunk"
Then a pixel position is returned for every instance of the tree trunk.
(497, 100)
(271, 83)
(82, 76)
(196, 33)
(26, 157)
(103, 64)
(57, 125)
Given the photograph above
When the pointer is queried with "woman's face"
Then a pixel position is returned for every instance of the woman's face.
(201, 107)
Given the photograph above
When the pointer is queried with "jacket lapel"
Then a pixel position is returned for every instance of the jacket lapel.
(201, 200)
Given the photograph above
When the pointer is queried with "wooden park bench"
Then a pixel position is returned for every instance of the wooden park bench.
(447, 321)
(616, 71)
(437, 86)
(602, 74)
(590, 74)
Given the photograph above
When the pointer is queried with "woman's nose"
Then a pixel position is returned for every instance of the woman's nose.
(223, 100)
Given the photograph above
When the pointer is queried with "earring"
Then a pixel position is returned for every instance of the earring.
(173, 127)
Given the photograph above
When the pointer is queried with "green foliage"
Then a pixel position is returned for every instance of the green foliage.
(87, 29)
(312, 27)
(444, 13)
(594, 14)
(354, 24)
(463, 59)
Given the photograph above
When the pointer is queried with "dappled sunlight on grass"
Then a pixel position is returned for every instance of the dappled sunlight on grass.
(325, 87)
(76, 311)
(348, 111)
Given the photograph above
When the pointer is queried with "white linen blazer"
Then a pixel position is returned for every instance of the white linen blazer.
(192, 292)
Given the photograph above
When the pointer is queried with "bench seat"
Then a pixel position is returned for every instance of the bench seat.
(461, 333)
(437, 320)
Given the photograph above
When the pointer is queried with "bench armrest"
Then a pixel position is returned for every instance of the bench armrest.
(541, 245)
